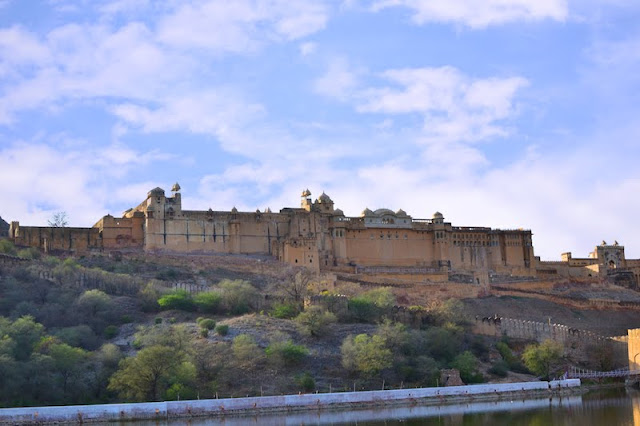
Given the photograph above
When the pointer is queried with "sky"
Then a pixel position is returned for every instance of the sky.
(500, 113)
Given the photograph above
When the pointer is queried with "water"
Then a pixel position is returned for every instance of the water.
(611, 408)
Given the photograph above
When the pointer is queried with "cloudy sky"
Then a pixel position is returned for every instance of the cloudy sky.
(502, 113)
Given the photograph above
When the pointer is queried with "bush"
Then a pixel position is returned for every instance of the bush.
(367, 355)
(207, 323)
(285, 310)
(204, 332)
(467, 364)
(222, 329)
(306, 382)
(286, 352)
(315, 321)
(158, 320)
(371, 305)
(29, 253)
(110, 332)
(7, 247)
(209, 302)
(178, 299)
(499, 369)
(237, 295)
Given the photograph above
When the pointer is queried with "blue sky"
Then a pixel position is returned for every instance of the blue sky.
(502, 113)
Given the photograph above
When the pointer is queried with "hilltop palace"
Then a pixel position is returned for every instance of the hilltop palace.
(320, 237)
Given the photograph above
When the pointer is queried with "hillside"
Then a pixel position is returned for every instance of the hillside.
(235, 325)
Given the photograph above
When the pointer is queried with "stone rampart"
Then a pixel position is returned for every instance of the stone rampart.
(578, 344)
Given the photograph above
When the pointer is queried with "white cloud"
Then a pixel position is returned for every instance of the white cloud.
(307, 48)
(240, 26)
(72, 177)
(479, 14)
(339, 81)
(455, 106)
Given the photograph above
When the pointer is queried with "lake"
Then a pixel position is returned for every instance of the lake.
(616, 407)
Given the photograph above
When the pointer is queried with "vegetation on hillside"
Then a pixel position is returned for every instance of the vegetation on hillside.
(95, 330)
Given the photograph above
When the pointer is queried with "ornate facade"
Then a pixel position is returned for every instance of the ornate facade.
(315, 235)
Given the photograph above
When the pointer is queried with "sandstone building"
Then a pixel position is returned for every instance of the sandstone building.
(606, 261)
(315, 235)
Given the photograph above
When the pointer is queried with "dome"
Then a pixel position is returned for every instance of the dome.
(156, 191)
(234, 210)
(338, 212)
(366, 212)
(381, 212)
(324, 198)
(306, 193)
(175, 187)
(438, 215)
(401, 213)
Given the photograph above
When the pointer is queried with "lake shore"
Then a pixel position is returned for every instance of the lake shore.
(79, 414)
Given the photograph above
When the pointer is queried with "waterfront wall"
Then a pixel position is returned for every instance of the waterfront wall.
(221, 407)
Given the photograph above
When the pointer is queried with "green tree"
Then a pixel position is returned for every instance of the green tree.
(238, 295)
(246, 352)
(209, 301)
(371, 305)
(315, 321)
(146, 376)
(543, 359)
(175, 336)
(467, 364)
(367, 355)
(177, 299)
(286, 353)
(26, 333)
(68, 361)
(94, 302)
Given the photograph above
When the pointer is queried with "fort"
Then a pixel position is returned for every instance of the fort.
(320, 237)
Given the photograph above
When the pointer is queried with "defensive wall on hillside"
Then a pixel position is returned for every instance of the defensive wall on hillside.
(578, 344)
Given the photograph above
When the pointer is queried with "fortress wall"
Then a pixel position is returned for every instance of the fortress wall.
(78, 240)
(581, 345)
(367, 248)
(217, 232)
(121, 232)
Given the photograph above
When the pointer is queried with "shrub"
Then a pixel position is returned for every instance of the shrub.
(285, 310)
(222, 329)
(543, 359)
(110, 331)
(178, 299)
(467, 364)
(158, 320)
(367, 355)
(29, 253)
(306, 382)
(371, 305)
(169, 274)
(315, 321)
(499, 369)
(208, 301)
(286, 352)
(237, 295)
(207, 323)
(7, 247)
(204, 332)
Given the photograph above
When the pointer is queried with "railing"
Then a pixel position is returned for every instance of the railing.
(578, 373)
